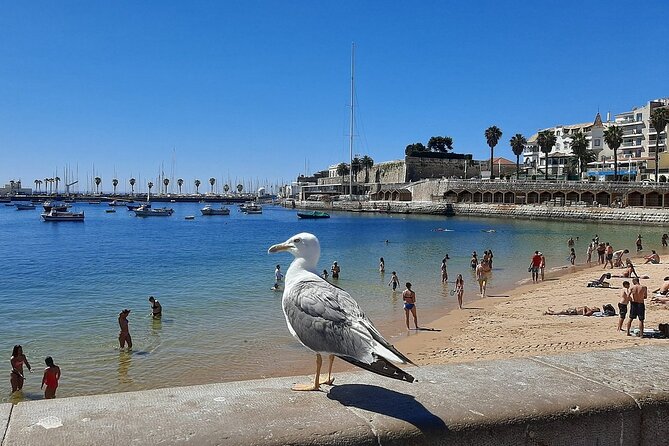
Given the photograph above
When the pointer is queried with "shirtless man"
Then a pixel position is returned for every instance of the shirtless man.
(482, 276)
(409, 297)
(156, 308)
(618, 257)
(664, 288)
(574, 311)
(335, 270)
(654, 258)
(124, 334)
(622, 304)
(638, 295)
(609, 256)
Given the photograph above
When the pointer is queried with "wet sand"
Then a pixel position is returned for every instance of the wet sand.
(512, 324)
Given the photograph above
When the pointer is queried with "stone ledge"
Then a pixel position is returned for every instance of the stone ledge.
(607, 397)
(5, 410)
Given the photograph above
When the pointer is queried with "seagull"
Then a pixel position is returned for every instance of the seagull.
(326, 319)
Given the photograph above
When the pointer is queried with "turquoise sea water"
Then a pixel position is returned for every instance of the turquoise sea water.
(63, 284)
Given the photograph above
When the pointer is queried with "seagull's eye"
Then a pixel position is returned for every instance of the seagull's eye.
(297, 240)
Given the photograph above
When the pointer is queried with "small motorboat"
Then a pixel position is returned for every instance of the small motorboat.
(119, 202)
(54, 215)
(251, 208)
(144, 211)
(5, 200)
(189, 217)
(49, 205)
(209, 210)
(25, 206)
(313, 215)
(132, 207)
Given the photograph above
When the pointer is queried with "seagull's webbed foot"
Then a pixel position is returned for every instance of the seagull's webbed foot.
(316, 385)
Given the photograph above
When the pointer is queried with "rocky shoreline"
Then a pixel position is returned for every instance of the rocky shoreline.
(628, 215)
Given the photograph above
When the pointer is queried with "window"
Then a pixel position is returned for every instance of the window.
(598, 142)
(639, 117)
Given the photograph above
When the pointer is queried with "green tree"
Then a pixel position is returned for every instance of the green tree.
(517, 143)
(492, 136)
(546, 141)
(356, 166)
(414, 149)
(132, 185)
(197, 186)
(226, 188)
(367, 163)
(438, 144)
(240, 188)
(212, 181)
(579, 147)
(180, 182)
(114, 184)
(658, 119)
(613, 136)
(97, 180)
(166, 182)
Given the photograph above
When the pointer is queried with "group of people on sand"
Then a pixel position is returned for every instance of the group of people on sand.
(634, 295)
(17, 378)
(538, 266)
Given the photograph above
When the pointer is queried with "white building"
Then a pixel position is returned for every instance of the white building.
(15, 188)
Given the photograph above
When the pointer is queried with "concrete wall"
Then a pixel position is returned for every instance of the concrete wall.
(610, 397)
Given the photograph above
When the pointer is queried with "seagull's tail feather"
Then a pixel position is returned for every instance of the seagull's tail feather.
(383, 367)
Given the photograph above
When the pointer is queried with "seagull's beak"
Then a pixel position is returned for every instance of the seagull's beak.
(285, 246)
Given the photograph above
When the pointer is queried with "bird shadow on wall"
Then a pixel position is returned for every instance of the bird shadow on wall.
(389, 403)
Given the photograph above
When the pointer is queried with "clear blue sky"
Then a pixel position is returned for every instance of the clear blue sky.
(256, 89)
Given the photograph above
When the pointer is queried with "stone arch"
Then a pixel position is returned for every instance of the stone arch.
(544, 196)
(450, 195)
(395, 196)
(603, 198)
(666, 200)
(616, 197)
(509, 197)
(464, 196)
(653, 199)
(498, 197)
(572, 196)
(663, 178)
(478, 197)
(588, 197)
(532, 197)
(487, 197)
(386, 196)
(635, 199)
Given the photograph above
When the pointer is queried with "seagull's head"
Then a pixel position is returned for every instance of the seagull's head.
(302, 246)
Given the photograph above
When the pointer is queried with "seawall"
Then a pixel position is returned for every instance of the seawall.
(614, 397)
(628, 215)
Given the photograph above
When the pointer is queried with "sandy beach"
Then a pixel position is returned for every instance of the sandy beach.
(513, 324)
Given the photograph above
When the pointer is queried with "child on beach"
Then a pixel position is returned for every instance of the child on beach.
(394, 281)
(459, 289)
(50, 378)
(324, 275)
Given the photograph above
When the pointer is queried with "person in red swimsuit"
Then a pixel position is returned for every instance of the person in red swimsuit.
(50, 378)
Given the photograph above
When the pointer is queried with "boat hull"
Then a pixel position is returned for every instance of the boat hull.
(63, 216)
(312, 215)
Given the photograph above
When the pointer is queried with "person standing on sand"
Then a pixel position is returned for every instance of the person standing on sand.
(409, 298)
(622, 304)
(124, 334)
(459, 289)
(639, 246)
(156, 308)
(482, 276)
(601, 252)
(609, 256)
(17, 360)
(589, 253)
(444, 270)
(638, 294)
(50, 378)
(542, 265)
(535, 264)
(394, 281)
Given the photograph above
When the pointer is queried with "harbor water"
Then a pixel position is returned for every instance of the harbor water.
(63, 284)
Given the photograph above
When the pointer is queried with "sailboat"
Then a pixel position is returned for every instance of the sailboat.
(145, 210)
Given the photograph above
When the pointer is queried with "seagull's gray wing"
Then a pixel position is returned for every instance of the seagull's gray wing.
(326, 319)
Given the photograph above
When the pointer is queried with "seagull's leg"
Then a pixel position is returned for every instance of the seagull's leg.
(316, 385)
(330, 379)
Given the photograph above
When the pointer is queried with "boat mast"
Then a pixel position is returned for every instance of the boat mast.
(352, 126)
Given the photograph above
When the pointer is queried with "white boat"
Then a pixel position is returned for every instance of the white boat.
(252, 208)
(55, 215)
(56, 205)
(25, 207)
(209, 210)
(133, 206)
(147, 211)
(119, 203)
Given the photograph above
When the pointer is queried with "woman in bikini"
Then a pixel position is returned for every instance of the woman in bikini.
(460, 289)
(17, 361)
(409, 298)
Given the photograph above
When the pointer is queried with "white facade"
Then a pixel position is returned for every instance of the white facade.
(638, 135)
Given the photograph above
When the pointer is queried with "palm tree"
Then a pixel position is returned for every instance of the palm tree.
(517, 143)
(132, 185)
(342, 171)
(579, 146)
(98, 180)
(658, 119)
(37, 183)
(180, 182)
(240, 188)
(114, 184)
(492, 135)
(546, 141)
(613, 136)
(56, 180)
(166, 182)
(367, 163)
(226, 188)
(356, 166)
(212, 181)
(197, 186)
(150, 185)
